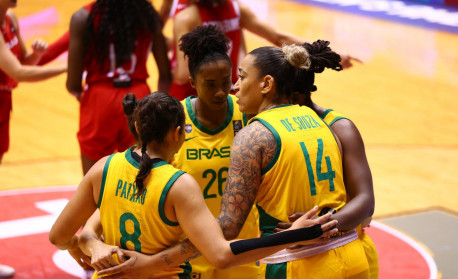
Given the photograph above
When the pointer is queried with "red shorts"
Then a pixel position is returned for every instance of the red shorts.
(5, 111)
(103, 126)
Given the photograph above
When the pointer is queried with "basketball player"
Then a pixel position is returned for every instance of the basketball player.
(286, 158)
(145, 203)
(212, 120)
(16, 64)
(357, 173)
(111, 40)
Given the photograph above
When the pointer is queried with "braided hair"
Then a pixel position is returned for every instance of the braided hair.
(155, 115)
(293, 67)
(202, 45)
(321, 57)
(119, 21)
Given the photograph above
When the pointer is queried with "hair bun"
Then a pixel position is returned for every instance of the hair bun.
(297, 56)
(129, 103)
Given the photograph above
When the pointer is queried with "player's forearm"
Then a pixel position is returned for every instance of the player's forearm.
(354, 212)
(31, 58)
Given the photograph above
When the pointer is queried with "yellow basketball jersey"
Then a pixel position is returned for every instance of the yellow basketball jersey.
(205, 155)
(330, 117)
(306, 169)
(138, 223)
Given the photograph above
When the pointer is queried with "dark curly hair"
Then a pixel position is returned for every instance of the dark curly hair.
(293, 67)
(129, 104)
(119, 21)
(155, 115)
(202, 45)
(321, 57)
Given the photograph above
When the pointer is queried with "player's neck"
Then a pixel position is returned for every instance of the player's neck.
(210, 118)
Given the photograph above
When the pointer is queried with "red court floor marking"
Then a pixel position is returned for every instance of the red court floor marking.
(400, 256)
(31, 255)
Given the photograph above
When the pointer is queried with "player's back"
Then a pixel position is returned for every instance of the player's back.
(137, 222)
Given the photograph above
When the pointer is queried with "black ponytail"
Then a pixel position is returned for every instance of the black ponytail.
(155, 115)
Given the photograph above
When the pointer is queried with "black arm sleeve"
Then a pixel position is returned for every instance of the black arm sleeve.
(281, 238)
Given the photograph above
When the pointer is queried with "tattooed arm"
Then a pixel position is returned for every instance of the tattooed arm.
(252, 149)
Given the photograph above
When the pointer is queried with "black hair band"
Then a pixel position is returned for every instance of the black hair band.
(276, 239)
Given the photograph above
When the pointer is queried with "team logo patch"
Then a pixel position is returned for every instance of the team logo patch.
(188, 128)
(237, 124)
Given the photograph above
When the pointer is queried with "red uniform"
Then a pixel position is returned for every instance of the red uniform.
(7, 84)
(226, 17)
(103, 126)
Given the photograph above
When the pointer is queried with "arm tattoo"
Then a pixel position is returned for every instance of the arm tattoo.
(187, 248)
(166, 259)
(252, 149)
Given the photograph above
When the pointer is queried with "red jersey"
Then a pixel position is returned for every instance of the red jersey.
(12, 42)
(226, 17)
(134, 69)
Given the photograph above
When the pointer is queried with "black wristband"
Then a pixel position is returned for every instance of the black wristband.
(281, 238)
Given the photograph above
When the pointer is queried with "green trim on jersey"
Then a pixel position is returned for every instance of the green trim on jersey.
(276, 271)
(267, 223)
(162, 199)
(136, 164)
(244, 119)
(277, 148)
(280, 106)
(326, 113)
(187, 269)
(193, 117)
(337, 119)
(104, 179)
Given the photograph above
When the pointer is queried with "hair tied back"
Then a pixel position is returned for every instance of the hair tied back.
(297, 56)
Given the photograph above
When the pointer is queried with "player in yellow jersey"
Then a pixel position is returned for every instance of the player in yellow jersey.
(287, 158)
(145, 203)
(212, 120)
(357, 173)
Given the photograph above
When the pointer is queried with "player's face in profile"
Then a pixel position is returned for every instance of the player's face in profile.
(248, 86)
(213, 83)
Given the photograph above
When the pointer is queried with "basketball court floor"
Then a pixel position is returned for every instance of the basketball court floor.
(402, 98)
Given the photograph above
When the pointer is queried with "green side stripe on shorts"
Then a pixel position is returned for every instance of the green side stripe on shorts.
(276, 271)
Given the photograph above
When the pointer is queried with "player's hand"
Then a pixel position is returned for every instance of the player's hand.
(293, 217)
(39, 47)
(82, 259)
(136, 266)
(103, 256)
(307, 220)
(346, 61)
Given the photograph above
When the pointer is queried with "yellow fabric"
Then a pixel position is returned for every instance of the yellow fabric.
(343, 262)
(205, 155)
(330, 117)
(306, 171)
(286, 187)
(138, 223)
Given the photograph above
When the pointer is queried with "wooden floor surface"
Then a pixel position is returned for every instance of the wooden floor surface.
(403, 100)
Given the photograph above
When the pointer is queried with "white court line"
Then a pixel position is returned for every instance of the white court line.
(429, 260)
(37, 190)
